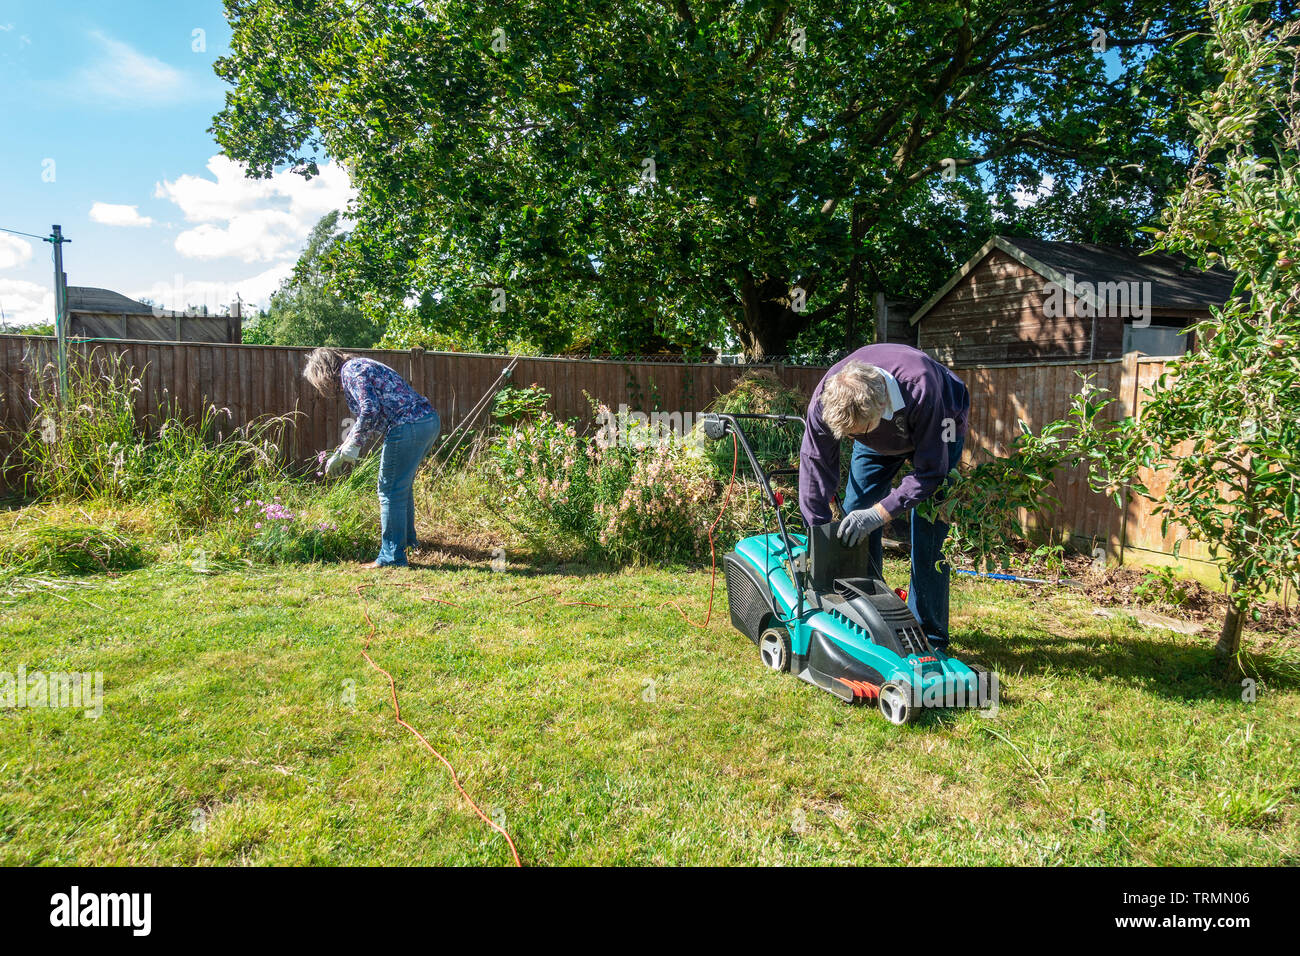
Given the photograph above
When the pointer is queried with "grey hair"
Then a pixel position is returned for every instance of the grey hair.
(853, 399)
(323, 367)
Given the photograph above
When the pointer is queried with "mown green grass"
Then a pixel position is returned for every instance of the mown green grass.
(228, 737)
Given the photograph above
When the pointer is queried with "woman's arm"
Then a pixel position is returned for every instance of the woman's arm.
(358, 381)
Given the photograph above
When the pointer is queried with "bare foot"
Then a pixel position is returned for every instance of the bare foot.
(372, 564)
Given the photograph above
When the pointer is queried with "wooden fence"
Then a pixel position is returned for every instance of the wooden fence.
(250, 381)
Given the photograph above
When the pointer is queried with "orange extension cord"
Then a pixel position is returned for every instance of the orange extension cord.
(392, 684)
(397, 715)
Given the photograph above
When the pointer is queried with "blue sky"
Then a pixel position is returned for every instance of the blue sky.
(104, 112)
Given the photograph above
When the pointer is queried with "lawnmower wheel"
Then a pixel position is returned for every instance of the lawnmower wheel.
(774, 648)
(896, 704)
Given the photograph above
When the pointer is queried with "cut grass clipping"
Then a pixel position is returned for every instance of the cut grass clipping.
(41, 547)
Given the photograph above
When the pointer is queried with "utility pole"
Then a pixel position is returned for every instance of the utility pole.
(60, 308)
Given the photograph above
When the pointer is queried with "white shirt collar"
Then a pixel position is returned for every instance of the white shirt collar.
(895, 396)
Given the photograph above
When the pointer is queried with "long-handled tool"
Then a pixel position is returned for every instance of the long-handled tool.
(462, 429)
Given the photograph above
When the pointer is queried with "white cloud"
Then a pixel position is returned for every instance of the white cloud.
(1024, 198)
(124, 76)
(114, 215)
(25, 302)
(262, 236)
(181, 293)
(14, 251)
(255, 220)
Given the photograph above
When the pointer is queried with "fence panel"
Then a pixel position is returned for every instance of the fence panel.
(246, 382)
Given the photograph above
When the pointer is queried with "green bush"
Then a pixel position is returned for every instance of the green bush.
(761, 392)
(639, 499)
(1162, 588)
(212, 490)
(513, 405)
(338, 521)
(292, 539)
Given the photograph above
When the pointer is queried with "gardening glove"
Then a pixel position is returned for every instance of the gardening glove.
(345, 454)
(858, 524)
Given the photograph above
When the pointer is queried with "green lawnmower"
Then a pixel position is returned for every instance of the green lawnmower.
(817, 609)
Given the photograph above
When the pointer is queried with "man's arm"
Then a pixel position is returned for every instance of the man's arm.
(819, 468)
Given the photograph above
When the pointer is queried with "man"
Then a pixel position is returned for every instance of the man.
(898, 405)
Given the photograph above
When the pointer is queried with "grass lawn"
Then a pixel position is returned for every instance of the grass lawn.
(242, 726)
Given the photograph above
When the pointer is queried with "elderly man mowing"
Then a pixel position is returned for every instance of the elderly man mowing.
(383, 402)
(897, 404)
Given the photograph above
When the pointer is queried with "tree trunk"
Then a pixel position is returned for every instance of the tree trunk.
(768, 324)
(1230, 637)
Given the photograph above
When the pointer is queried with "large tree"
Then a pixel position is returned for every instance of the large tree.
(684, 169)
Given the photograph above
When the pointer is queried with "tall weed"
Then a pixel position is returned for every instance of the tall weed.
(92, 446)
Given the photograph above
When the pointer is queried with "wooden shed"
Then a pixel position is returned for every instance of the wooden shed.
(103, 314)
(1032, 300)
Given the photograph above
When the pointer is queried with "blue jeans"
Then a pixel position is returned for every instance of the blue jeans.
(404, 448)
(871, 476)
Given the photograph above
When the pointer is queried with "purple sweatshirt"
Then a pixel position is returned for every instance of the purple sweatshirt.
(931, 394)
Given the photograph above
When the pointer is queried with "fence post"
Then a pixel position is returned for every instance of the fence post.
(417, 370)
(1128, 406)
(60, 308)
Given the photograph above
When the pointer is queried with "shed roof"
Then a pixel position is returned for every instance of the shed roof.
(84, 298)
(1175, 282)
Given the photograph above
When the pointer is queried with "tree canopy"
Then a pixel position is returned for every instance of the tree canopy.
(616, 174)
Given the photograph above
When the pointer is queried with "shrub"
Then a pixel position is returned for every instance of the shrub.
(336, 522)
(291, 538)
(636, 499)
(80, 449)
(228, 484)
(1160, 587)
(984, 503)
(513, 405)
(666, 507)
(761, 392)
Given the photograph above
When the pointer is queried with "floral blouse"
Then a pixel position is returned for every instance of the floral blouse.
(379, 398)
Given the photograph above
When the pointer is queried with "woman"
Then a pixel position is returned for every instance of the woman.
(383, 402)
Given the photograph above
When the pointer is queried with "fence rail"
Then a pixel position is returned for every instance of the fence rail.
(251, 381)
